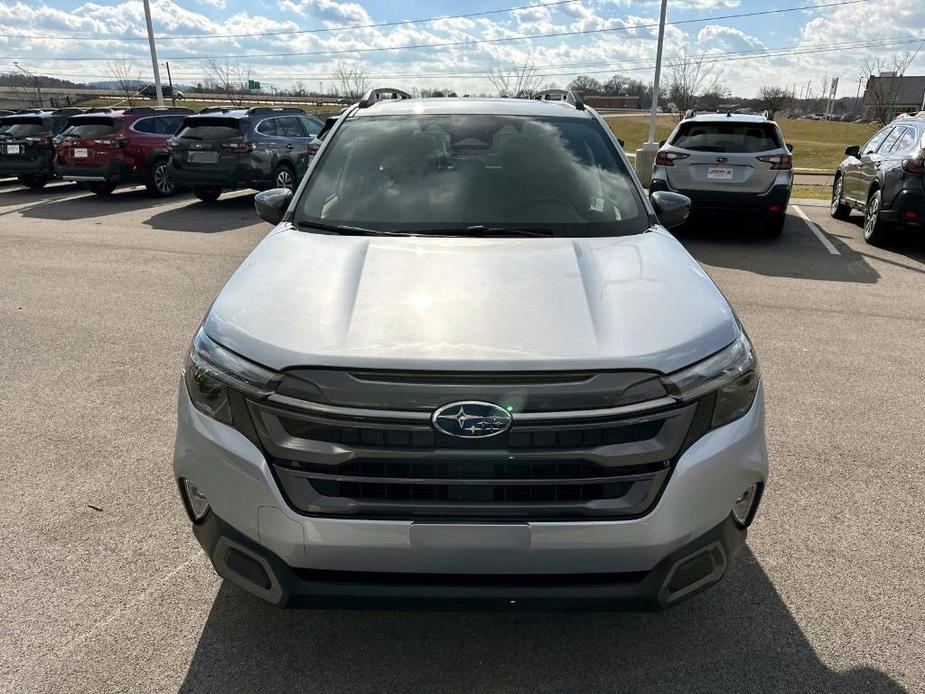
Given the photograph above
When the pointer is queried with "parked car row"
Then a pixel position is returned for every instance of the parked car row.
(163, 148)
(884, 179)
(728, 163)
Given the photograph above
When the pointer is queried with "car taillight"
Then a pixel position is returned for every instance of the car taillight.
(240, 146)
(113, 144)
(778, 162)
(669, 158)
(44, 140)
(914, 166)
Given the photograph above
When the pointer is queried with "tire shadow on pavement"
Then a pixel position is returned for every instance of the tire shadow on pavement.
(738, 636)
(734, 242)
(224, 214)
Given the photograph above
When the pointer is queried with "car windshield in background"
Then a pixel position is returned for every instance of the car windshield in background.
(23, 127)
(446, 173)
(210, 129)
(726, 137)
(92, 127)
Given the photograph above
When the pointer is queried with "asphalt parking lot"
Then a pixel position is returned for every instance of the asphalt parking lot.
(104, 588)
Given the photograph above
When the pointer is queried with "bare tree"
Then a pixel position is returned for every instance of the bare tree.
(126, 76)
(712, 97)
(227, 77)
(884, 80)
(350, 81)
(688, 76)
(519, 82)
(774, 99)
(586, 86)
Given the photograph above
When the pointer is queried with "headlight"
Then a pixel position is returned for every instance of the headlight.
(210, 370)
(733, 374)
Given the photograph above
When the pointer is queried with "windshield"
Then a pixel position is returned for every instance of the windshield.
(726, 137)
(92, 127)
(444, 173)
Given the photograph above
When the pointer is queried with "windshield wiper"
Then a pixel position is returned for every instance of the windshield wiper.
(347, 230)
(481, 230)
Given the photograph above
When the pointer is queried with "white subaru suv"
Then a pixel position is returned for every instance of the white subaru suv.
(469, 364)
(727, 162)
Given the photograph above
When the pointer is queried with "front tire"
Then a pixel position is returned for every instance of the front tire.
(160, 183)
(34, 182)
(207, 194)
(838, 209)
(101, 187)
(876, 230)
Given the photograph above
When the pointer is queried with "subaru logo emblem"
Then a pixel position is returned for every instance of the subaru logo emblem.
(472, 420)
(722, 160)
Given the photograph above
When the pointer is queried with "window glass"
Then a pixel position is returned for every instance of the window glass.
(92, 127)
(146, 125)
(875, 141)
(726, 137)
(168, 125)
(891, 140)
(289, 127)
(207, 129)
(446, 172)
(268, 127)
(25, 126)
(312, 125)
(905, 141)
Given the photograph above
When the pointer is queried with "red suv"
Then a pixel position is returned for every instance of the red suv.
(105, 149)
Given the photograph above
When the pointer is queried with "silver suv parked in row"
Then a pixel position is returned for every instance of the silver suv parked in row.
(728, 163)
(470, 363)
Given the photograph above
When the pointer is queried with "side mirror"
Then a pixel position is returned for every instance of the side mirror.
(661, 143)
(790, 148)
(852, 151)
(622, 142)
(272, 204)
(672, 208)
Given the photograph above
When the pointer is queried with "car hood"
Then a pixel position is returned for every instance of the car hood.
(309, 299)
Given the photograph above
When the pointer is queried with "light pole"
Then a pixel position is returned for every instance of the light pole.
(157, 72)
(173, 94)
(645, 156)
(38, 88)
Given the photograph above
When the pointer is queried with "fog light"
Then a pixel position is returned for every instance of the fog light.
(197, 506)
(745, 504)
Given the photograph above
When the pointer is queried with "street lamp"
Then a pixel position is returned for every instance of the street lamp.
(35, 79)
(645, 156)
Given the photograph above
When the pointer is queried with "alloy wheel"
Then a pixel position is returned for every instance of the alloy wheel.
(284, 179)
(163, 180)
(836, 196)
(870, 221)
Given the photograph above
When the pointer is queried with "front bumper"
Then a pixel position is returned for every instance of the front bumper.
(613, 560)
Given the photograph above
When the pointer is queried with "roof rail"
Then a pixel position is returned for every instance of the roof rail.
(213, 109)
(689, 113)
(30, 110)
(99, 109)
(566, 95)
(135, 110)
(766, 114)
(274, 109)
(67, 111)
(374, 95)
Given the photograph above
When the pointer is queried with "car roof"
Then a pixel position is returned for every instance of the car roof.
(469, 105)
(728, 117)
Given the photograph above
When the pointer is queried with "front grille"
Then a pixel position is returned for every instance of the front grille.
(331, 460)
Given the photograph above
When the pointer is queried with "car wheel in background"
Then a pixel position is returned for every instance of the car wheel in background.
(875, 229)
(207, 194)
(773, 225)
(838, 208)
(283, 177)
(160, 182)
(33, 181)
(101, 187)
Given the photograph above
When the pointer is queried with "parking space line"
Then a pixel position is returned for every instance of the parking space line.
(823, 239)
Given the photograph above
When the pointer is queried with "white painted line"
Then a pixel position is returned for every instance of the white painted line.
(823, 239)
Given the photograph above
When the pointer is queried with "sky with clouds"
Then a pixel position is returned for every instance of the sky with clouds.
(74, 39)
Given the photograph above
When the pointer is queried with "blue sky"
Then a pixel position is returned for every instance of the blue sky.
(795, 39)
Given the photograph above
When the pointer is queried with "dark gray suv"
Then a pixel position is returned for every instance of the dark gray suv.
(244, 148)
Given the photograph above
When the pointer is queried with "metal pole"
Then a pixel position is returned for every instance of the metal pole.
(173, 94)
(157, 73)
(658, 72)
(35, 80)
